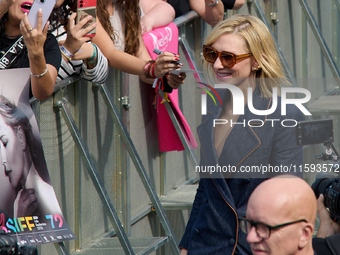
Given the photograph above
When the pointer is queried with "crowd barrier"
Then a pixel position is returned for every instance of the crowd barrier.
(80, 109)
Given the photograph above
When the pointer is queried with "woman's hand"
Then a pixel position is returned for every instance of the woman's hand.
(27, 204)
(34, 38)
(176, 80)
(76, 34)
(163, 63)
(43, 76)
(85, 52)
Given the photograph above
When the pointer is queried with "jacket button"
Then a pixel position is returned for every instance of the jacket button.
(232, 241)
(197, 231)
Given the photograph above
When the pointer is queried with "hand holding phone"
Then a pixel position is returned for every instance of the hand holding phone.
(46, 6)
(84, 9)
(76, 35)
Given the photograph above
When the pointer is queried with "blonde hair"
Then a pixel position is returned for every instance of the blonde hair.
(259, 42)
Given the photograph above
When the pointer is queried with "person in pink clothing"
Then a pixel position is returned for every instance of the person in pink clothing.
(119, 37)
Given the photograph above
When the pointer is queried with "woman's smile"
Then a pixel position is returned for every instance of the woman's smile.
(26, 6)
(224, 74)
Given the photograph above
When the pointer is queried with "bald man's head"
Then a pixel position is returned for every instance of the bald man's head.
(281, 200)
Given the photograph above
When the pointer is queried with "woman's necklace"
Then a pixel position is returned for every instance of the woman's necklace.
(11, 36)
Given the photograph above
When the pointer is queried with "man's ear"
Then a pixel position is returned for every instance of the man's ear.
(21, 137)
(306, 235)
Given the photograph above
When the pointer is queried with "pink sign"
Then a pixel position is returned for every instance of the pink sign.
(166, 39)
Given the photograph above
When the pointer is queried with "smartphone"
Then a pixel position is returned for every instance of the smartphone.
(85, 8)
(46, 6)
(314, 132)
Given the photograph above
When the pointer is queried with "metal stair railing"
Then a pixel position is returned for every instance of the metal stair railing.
(190, 151)
(262, 16)
(337, 3)
(119, 230)
(62, 105)
(60, 247)
(139, 167)
(317, 33)
(322, 43)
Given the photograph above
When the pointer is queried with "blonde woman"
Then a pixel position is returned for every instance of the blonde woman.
(240, 52)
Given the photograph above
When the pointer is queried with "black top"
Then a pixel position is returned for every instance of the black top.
(228, 4)
(183, 6)
(51, 52)
(327, 246)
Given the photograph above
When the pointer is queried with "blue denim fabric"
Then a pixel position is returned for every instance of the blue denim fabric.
(222, 198)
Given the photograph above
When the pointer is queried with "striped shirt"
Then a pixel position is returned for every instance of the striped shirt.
(98, 74)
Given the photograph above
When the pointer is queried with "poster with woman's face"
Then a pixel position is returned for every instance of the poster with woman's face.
(29, 209)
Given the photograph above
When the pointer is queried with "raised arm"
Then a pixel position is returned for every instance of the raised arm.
(212, 14)
(129, 63)
(43, 75)
(157, 13)
(238, 4)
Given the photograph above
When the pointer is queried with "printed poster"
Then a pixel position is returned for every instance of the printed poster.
(29, 209)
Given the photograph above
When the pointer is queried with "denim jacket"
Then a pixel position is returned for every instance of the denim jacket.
(222, 196)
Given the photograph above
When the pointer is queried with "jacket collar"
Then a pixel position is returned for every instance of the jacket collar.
(248, 140)
(241, 142)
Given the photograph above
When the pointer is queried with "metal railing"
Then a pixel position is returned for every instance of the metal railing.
(74, 187)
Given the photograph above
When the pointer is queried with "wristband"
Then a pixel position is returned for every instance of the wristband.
(93, 62)
(147, 68)
(93, 59)
(69, 59)
(40, 75)
(94, 56)
(66, 53)
(153, 70)
(212, 4)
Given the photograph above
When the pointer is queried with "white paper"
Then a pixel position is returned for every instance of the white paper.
(177, 72)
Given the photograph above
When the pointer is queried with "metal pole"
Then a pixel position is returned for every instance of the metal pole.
(191, 153)
(322, 43)
(60, 247)
(140, 168)
(261, 15)
(337, 3)
(95, 175)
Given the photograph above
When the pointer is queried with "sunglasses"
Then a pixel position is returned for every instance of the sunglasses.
(227, 59)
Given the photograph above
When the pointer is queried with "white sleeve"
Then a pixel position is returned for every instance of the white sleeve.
(69, 68)
(99, 73)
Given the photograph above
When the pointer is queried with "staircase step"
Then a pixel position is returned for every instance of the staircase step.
(180, 199)
(111, 245)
